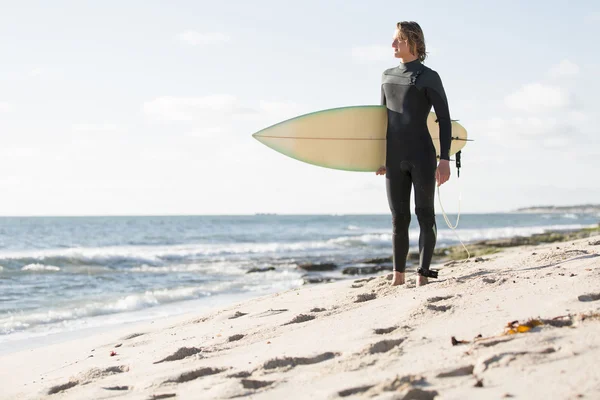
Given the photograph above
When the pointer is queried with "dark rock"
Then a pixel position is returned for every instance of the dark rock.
(378, 260)
(364, 270)
(260, 270)
(318, 267)
(308, 279)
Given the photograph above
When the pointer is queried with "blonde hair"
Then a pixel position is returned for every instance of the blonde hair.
(411, 31)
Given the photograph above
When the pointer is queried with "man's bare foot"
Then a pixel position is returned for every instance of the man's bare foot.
(421, 280)
(398, 278)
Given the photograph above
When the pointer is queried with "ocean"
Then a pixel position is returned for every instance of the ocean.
(66, 274)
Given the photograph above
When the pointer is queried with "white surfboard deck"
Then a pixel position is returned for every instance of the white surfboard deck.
(347, 138)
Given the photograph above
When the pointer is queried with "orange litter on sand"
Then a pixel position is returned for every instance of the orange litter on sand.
(514, 326)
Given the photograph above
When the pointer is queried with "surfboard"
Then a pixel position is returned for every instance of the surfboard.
(346, 138)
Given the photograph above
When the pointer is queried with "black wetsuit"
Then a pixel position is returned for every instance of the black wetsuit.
(409, 91)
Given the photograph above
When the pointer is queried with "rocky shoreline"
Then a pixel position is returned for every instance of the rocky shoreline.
(448, 255)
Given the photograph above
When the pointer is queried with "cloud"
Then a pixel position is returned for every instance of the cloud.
(36, 71)
(535, 131)
(593, 17)
(5, 107)
(375, 53)
(203, 39)
(94, 128)
(564, 68)
(537, 97)
(171, 108)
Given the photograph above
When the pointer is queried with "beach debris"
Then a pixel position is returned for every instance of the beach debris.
(295, 361)
(456, 342)
(195, 374)
(118, 345)
(589, 297)
(270, 312)
(317, 309)
(365, 297)
(253, 384)
(356, 286)
(113, 353)
(180, 354)
(514, 326)
(300, 318)
(235, 338)
(590, 316)
(479, 383)
(237, 315)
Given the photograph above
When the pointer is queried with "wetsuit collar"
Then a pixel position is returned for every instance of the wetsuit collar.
(410, 66)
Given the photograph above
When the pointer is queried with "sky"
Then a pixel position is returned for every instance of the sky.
(148, 107)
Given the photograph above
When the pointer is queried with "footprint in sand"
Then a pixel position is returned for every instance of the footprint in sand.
(589, 297)
(384, 346)
(241, 374)
(180, 354)
(235, 338)
(300, 318)
(295, 361)
(365, 297)
(441, 308)
(198, 373)
(254, 384)
(384, 331)
(355, 390)
(237, 315)
(461, 371)
(116, 388)
(87, 377)
(438, 298)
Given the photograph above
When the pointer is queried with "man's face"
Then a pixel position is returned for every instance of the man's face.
(400, 45)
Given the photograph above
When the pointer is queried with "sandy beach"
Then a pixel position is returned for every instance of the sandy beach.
(358, 338)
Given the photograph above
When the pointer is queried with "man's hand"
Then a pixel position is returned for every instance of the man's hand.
(442, 173)
(381, 170)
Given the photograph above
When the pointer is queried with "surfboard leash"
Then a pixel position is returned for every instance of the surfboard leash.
(453, 228)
